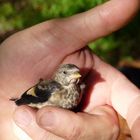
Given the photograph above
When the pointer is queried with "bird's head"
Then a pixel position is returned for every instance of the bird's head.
(67, 74)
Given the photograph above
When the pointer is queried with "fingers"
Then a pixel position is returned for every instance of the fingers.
(109, 86)
(67, 125)
(79, 126)
(120, 93)
(25, 118)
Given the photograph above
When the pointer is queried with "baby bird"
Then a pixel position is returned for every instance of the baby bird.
(64, 90)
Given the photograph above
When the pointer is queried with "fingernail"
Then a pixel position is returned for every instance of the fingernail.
(47, 120)
(22, 117)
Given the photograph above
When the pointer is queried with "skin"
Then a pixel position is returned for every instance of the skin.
(32, 54)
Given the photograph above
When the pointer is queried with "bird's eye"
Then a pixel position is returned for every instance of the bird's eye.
(64, 72)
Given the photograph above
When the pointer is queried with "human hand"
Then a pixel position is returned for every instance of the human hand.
(34, 53)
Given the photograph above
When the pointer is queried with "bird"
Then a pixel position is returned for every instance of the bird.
(64, 90)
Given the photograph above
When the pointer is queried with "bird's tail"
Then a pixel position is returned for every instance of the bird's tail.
(18, 102)
(13, 99)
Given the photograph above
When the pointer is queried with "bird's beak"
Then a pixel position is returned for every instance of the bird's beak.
(76, 75)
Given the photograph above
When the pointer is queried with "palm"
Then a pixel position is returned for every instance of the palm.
(26, 57)
(23, 62)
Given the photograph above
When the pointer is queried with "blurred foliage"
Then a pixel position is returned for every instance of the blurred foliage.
(19, 14)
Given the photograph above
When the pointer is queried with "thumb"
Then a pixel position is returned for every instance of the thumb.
(79, 126)
(101, 20)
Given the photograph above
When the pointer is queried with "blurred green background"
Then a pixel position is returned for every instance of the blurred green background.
(19, 14)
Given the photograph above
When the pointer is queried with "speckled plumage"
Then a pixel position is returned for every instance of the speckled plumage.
(62, 91)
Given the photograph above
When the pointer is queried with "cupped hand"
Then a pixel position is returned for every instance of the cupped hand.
(36, 52)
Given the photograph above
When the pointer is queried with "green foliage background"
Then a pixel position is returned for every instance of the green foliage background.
(19, 14)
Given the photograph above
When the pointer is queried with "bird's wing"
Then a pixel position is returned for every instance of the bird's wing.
(39, 93)
(47, 88)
